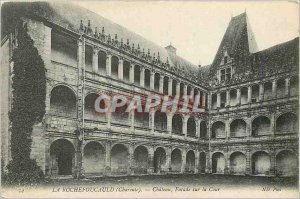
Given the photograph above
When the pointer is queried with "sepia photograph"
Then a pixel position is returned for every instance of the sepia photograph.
(149, 99)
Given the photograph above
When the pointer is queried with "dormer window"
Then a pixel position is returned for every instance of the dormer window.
(225, 74)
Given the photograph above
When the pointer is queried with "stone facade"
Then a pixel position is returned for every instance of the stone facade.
(249, 126)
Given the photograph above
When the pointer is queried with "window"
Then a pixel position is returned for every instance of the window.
(225, 74)
(225, 60)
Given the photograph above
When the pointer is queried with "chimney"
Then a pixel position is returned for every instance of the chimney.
(171, 49)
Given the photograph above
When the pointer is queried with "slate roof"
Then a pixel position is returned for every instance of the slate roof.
(69, 15)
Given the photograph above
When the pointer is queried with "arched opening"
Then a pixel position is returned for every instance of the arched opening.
(166, 85)
(174, 86)
(214, 101)
(188, 90)
(63, 49)
(101, 62)
(156, 82)
(119, 159)
(141, 119)
(286, 163)
(62, 157)
(114, 67)
(280, 88)
(261, 126)
(126, 71)
(287, 123)
(88, 58)
(202, 162)
(238, 128)
(255, 93)
(233, 94)
(89, 108)
(159, 160)
(238, 163)
(177, 124)
(140, 160)
(176, 160)
(294, 86)
(137, 75)
(218, 163)
(160, 121)
(203, 130)
(244, 95)
(190, 162)
(261, 163)
(63, 101)
(120, 116)
(93, 158)
(147, 78)
(218, 130)
(191, 127)
(268, 91)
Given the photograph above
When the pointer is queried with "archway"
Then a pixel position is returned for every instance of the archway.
(63, 101)
(90, 109)
(218, 163)
(261, 126)
(62, 157)
(218, 130)
(114, 67)
(191, 127)
(202, 162)
(93, 158)
(287, 123)
(261, 163)
(286, 163)
(238, 128)
(160, 121)
(119, 159)
(177, 124)
(190, 162)
(176, 160)
(238, 163)
(140, 160)
(159, 161)
(203, 130)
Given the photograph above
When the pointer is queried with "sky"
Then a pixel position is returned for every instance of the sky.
(196, 28)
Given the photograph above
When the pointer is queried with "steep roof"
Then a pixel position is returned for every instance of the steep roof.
(69, 15)
(237, 39)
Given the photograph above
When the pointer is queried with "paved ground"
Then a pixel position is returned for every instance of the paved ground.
(182, 180)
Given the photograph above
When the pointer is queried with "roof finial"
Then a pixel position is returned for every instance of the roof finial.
(103, 31)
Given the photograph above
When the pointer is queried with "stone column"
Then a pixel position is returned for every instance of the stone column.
(120, 69)
(161, 84)
(198, 96)
(131, 73)
(184, 125)
(185, 90)
(218, 100)
(227, 98)
(151, 123)
(249, 94)
(168, 159)
(170, 86)
(274, 88)
(287, 86)
(238, 96)
(130, 169)
(150, 160)
(273, 163)
(178, 89)
(183, 155)
(208, 163)
(248, 162)
(169, 123)
(152, 80)
(108, 64)
(203, 99)
(227, 168)
(108, 113)
(196, 161)
(209, 101)
(272, 124)
(198, 121)
(131, 118)
(261, 92)
(142, 77)
(192, 95)
(227, 129)
(95, 60)
(107, 170)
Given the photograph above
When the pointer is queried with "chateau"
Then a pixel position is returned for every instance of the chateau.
(249, 98)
